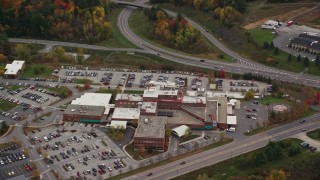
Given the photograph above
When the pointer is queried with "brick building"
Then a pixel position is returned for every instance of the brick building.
(128, 100)
(85, 114)
(150, 133)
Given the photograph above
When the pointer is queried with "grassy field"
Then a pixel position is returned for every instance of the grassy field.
(145, 168)
(82, 81)
(144, 28)
(117, 40)
(133, 92)
(37, 70)
(261, 35)
(14, 87)
(6, 105)
(315, 134)
(235, 167)
(272, 100)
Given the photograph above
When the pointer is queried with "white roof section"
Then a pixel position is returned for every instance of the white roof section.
(168, 92)
(237, 95)
(150, 92)
(194, 99)
(118, 124)
(232, 120)
(126, 113)
(181, 130)
(129, 97)
(14, 67)
(94, 99)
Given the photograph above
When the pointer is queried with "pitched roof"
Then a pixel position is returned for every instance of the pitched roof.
(301, 41)
(310, 37)
(315, 46)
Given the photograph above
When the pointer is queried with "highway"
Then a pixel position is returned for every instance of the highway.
(230, 150)
(245, 65)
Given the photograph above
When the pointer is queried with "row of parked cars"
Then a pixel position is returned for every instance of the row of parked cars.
(13, 116)
(145, 79)
(106, 78)
(308, 146)
(195, 83)
(66, 80)
(12, 147)
(12, 158)
(47, 92)
(14, 92)
(131, 78)
(130, 70)
(35, 97)
(81, 73)
(122, 79)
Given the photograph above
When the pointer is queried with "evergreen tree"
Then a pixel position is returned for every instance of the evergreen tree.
(317, 62)
(266, 45)
(299, 58)
(306, 61)
(276, 51)
(289, 58)
(271, 45)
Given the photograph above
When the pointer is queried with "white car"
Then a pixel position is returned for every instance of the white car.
(253, 118)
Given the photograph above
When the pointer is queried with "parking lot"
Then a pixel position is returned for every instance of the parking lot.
(14, 163)
(134, 79)
(77, 151)
(243, 86)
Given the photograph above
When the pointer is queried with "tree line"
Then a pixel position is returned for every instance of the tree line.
(176, 32)
(227, 11)
(63, 19)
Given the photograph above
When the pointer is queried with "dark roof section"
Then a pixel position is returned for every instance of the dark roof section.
(312, 38)
(301, 41)
(315, 46)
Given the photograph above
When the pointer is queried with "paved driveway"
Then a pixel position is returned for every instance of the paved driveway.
(303, 136)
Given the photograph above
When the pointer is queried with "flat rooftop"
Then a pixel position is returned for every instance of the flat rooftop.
(129, 97)
(73, 109)
(211, 108)
(194, 99)
(150, 92)
(222, 109)
(94, 99)
(151, 127)
(149, 107)
(14, 67)
(181, 118)
(126, 113)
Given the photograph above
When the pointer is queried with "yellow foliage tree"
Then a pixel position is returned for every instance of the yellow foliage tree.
(277, 175)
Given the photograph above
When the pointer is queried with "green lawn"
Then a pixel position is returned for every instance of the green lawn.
(6, 105)
(237, 166)
(133, 92)
(117, 40)
(268, 100)
(261, 35)
(144, 28)
(14, 87)
(315, 134)
(82, 81)
(138, 155)
(61, 91)
(37, 70)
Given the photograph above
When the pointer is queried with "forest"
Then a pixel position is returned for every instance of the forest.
(80, 20)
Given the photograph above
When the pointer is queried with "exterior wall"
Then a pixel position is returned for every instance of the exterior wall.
(146, 113)
(168, 97)
(223, 125)
(144, 142)
(194, 104)
(126, 104)
(76, 118)
(150, 99)
(169, 105)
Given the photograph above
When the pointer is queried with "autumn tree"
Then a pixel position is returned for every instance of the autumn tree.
(80, 56)
(23, 52)
(249, 95)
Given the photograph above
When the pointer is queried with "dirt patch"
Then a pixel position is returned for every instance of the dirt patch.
(310, 18)
(281, 17)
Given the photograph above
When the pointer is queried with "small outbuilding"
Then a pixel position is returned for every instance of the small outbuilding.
(180, 131)
(14, 69)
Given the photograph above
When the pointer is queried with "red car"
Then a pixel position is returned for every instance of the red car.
(249, 110)
(26, 167)
(101, 171)
(40, 141)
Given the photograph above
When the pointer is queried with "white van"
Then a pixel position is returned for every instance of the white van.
(45, 138)
(231, 129)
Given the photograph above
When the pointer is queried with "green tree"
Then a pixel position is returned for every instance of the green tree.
(260, 158)
(306, 62)
(294, 150)
(249, 95)
(299, 58)
(273, 115)
(317, 61)
(289, 58)
(271, 45)
(276, 51)
(266, 45)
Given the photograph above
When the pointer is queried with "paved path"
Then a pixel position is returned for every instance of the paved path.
(303, 136)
